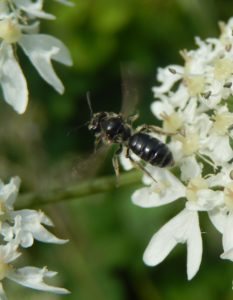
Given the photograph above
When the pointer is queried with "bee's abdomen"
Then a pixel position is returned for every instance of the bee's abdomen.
(151, 150)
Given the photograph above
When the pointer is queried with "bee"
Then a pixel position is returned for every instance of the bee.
(112, 128)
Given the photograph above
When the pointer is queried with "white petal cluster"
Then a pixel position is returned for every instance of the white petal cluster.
(19, 229)
(195, 102)
(19, 25)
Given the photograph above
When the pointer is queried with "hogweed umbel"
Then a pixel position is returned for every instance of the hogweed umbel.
(195, 102)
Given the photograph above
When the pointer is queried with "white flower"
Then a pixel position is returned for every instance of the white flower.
(184, 228)
(27, 276)
(26, 224)
(20, 228)
(194, 104)
(34, 278)
(29, 227)
(167, 189)
(200, 197)
(19, 25)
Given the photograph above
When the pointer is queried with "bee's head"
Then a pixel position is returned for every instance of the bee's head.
(94, 124)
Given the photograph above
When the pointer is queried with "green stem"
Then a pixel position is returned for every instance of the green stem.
(78, 191)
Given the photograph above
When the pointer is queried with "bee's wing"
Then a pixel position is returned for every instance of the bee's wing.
(130, 90)
(88, 167)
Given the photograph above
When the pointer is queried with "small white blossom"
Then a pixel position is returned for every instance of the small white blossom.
(194, 103)
(166, 190)
(19, 228)
(32, 277)
(29, 227)
(19, 25)
(27, 276)
(27, 224)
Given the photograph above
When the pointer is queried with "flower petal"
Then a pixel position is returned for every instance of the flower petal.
(190, 168)
(218, 218)
(227, 240)
(33, 278)
(26, 240)
(227, 254)
(194, 247)
(159, 108)
(168, 189)
(218, 149)
(65, 2)
(9, 192)
(167, 78)
(33, 8)
(183, 228)
(9, 252)
(41, 48)
(12, 79)
(2, 293)
(206, 199)
(31, 223)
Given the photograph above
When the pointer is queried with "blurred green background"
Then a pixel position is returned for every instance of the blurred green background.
(108, 235)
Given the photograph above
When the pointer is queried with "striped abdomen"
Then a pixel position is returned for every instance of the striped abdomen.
(151, 150)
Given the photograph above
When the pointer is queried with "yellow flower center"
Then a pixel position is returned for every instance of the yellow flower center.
(223, 68)
(190, 143)
(194, 186)
(9, 31)
(161, 187)
(222, 122)
(195, 84)
(172, 122)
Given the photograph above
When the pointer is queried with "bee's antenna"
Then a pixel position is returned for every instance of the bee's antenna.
(89, 103)
(77, 128)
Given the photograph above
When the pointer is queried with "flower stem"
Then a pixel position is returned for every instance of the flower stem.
(78, 191)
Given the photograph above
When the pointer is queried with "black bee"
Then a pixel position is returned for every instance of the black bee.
(112, 128)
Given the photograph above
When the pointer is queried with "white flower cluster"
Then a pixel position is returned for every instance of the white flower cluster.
(195, 102)
(19, 228)
(19, 25)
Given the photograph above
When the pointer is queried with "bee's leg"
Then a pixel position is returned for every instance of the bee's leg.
(98, 143)
(138, 165)
(115, 163)
(132, 118)
(100, 140)
(155, 129)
